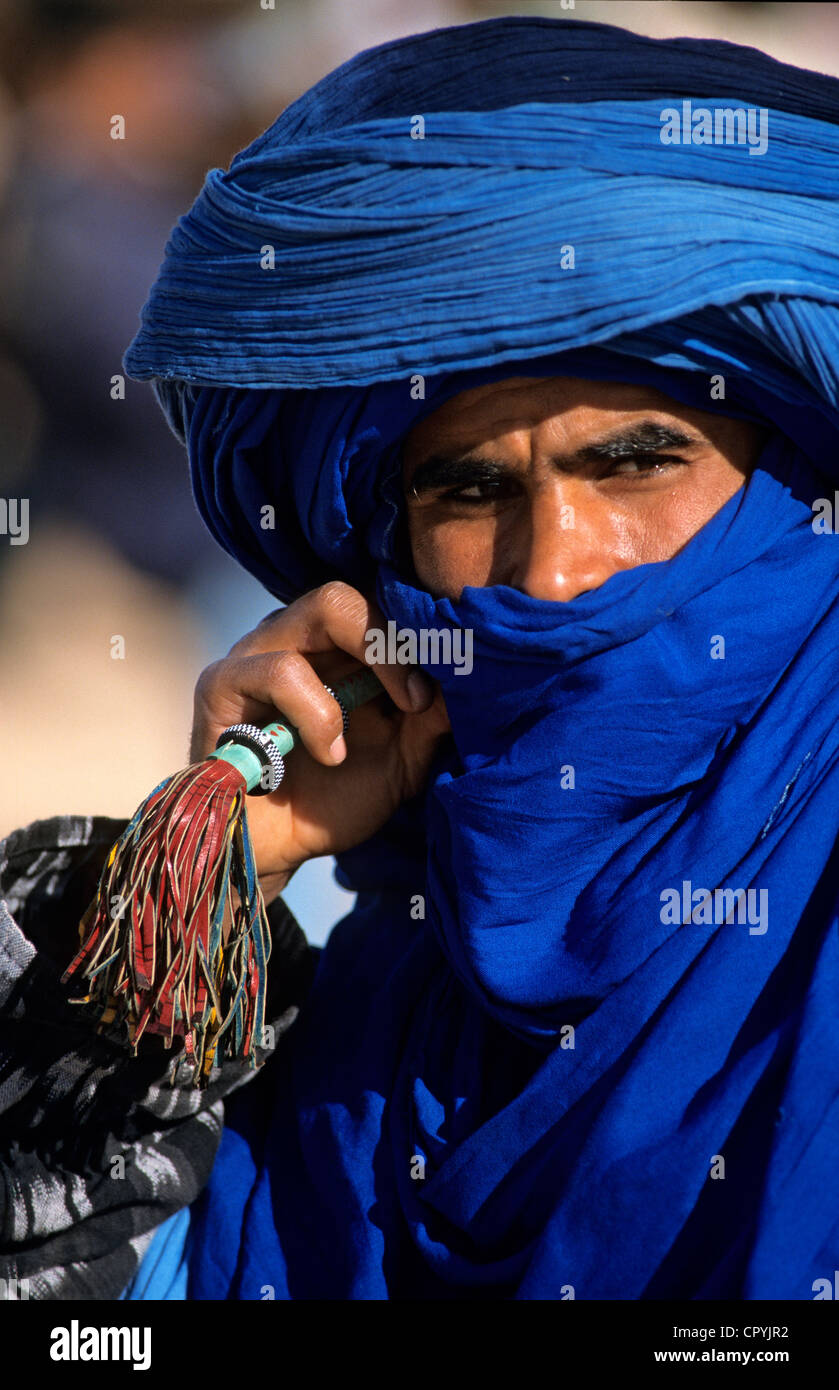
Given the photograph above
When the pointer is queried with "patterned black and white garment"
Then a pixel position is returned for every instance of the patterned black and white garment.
(74, 1221)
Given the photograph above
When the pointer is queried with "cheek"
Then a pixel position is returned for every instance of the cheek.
(693, 505)
(449, 554)
(668, 523)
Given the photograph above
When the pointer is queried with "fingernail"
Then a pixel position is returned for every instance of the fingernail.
(338, 749)
(418, 690)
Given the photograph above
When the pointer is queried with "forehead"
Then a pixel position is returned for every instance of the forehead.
(519, 402)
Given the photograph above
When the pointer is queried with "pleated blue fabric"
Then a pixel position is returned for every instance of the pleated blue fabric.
(338, 249)
(573, 1078)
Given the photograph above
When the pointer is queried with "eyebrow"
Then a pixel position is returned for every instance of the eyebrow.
(640, 437)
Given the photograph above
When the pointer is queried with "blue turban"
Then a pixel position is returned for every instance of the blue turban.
(557, 1084)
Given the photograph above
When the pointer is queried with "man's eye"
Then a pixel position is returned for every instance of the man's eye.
(487, 491)
(644, 463)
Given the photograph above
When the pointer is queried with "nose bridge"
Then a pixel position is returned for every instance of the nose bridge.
(566, 550)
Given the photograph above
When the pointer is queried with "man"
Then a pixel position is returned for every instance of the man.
(562, 1047)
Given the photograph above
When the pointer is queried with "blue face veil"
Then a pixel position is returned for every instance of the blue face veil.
(624, 985)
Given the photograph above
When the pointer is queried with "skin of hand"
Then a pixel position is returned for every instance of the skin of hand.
(549, 485)
(331, 798)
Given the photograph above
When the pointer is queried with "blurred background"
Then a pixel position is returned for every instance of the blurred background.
(115, 548)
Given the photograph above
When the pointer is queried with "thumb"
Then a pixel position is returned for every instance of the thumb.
(421, 733)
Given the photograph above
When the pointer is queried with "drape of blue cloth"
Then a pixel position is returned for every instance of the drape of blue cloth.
(550, 1086)
(163, 1274)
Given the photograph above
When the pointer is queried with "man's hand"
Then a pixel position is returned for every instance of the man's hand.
(334, 794)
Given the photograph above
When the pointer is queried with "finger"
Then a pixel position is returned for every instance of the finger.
(339, 616)
(262, 685)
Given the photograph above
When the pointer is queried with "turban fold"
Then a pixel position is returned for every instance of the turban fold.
(394, 255)
(565, 1059)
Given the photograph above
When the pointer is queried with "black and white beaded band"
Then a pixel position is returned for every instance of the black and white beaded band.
(273, 763)
(345, 714)
(260, 743)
